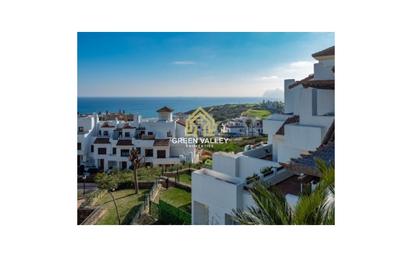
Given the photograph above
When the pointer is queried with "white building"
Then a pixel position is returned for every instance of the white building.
(242, 126)
(107, 144)
(304, 131)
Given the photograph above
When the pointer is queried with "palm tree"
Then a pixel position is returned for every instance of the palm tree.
(316, 208)
(248, 124)
(137, 161)
(110, 183)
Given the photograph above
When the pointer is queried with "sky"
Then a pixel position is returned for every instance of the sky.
(193, 64)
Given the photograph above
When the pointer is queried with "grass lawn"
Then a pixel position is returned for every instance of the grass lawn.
(127, 202)
(176, 197)
(185, 178)
(236, 144)
(257, 113)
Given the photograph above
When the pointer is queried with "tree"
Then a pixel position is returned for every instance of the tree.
(315, 208)
(109, 182)
(137, 161)
(248, 124)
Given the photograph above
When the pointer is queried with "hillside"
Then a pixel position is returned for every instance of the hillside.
(230, 111)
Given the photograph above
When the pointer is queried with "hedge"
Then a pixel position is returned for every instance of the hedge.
(168, 214)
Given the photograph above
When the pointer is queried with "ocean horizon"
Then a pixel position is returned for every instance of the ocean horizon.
(147, 106)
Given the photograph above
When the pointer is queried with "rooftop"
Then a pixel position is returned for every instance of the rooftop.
(124, 142)
(326, 52)
(165, 109)
(102, 140)
(161, 142)
(290, 120)
(219, 176)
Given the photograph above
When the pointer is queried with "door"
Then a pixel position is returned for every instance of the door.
(101, 164)
(124, 165)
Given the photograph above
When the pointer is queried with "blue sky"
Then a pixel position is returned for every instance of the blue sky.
(193, 64)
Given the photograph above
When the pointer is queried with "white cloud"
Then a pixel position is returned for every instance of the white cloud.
(269, 77)
(301, 64)
(294, 70)
(184, 62)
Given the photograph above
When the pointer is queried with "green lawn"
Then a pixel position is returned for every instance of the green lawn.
(176, 197)
(257, 113)
(185, 178)
(127, 202)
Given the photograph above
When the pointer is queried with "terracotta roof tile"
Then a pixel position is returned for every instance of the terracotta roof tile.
(107, 125)
(290, 120)
(326, 52)
(181, 122)
(165, 109)
(297, 83)
(319, 84)
(127, 126)
(102, 140)
(161, 142)
(124, 142)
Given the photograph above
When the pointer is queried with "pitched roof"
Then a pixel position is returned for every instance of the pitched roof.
(165, 109)
(102, 140)
(293, 119)
(319, 84)
(181, 122)
(326, 52)
(124, 142)
(161, 142)
(107, 125)
(297, 83)
(127, 126)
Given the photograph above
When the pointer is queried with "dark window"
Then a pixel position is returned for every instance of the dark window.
(161, 154)
(148, 152)
(114, 150)
(150, 133)
(124, 165)
(100, 132)
(105, 133)
(92, 148)
(169, 134)
(80, 129)
(124, 152)
(101, 150)
(79, 146)
(127, 134)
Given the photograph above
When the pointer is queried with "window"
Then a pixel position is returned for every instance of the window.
(150, 133)
(139, 150)
(124, 152)
(105, 133)
(81, 129)
(169, 134)
(127, 134)
(79, 146)
(124, 165)
(161, 154)
(100, 132)
(92, 148)
(148, 152)
(114, 150)
(101, 150)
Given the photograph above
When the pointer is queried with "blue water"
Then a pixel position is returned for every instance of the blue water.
(147, 106)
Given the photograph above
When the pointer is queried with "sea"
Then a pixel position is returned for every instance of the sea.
(147, 106)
